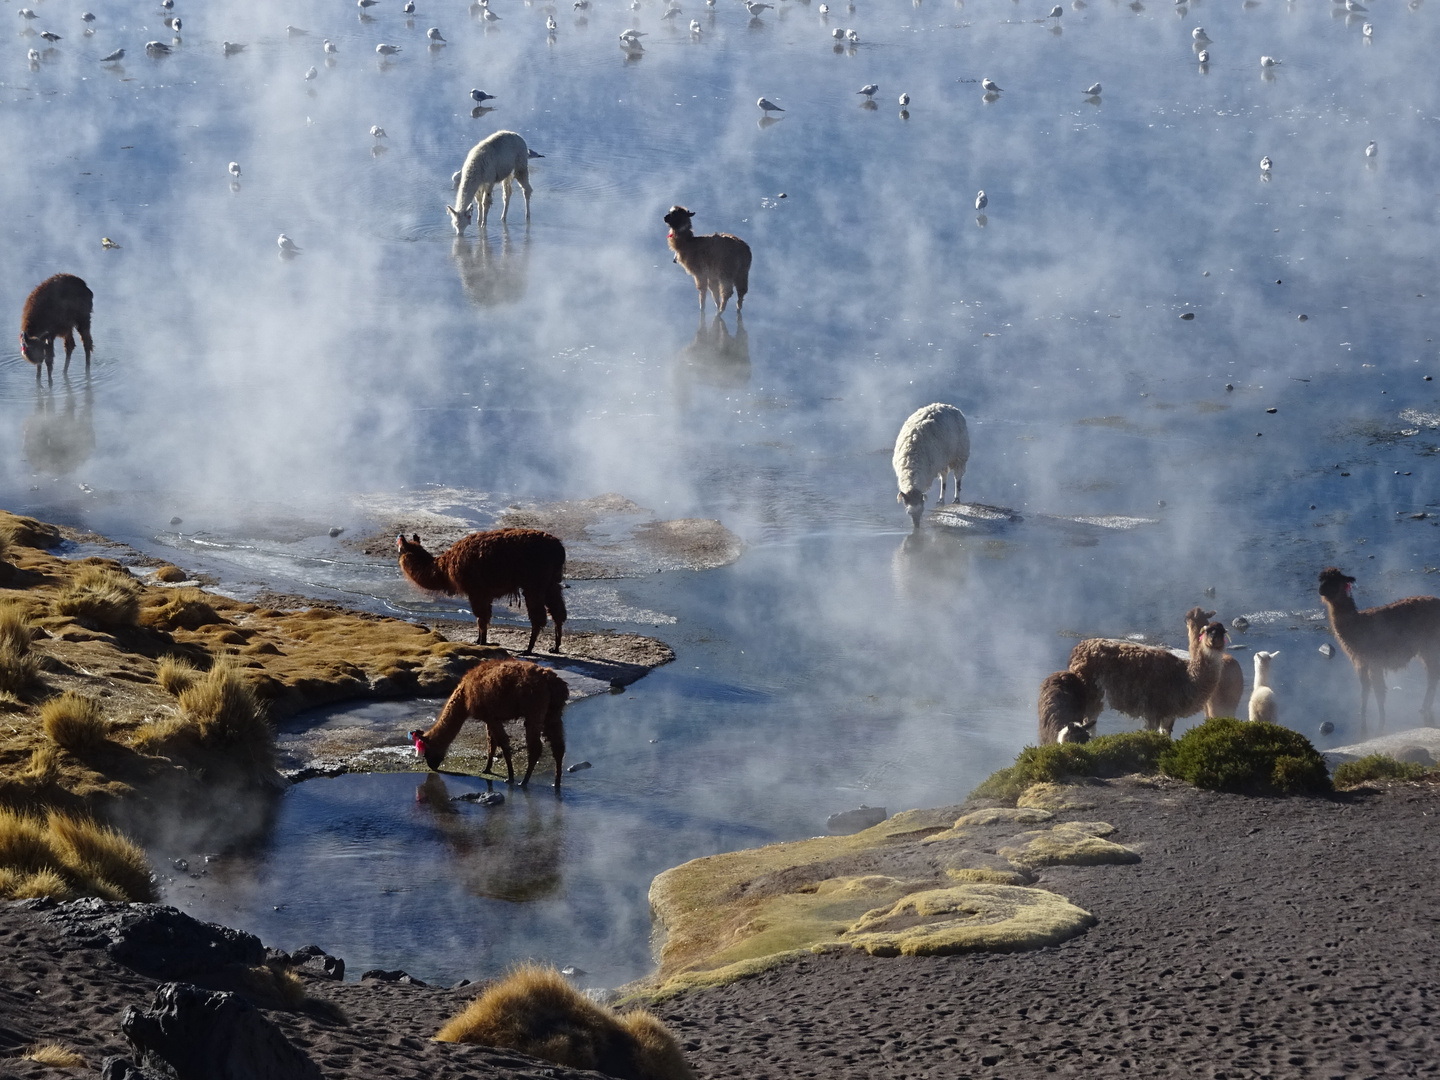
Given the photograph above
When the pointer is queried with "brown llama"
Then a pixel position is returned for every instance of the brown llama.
(494, 691)
(718, 262)
(485, 566)
(1381, 639)
(1062, 709)
(1225, 701)
(57, 307)
(1148, 682)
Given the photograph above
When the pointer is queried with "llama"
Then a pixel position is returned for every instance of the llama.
(488, 565)
(718, 262)
(1262, 698)
(57, 307)
(1062, 709)
(934, 441)
(1382, 639)
(494, 160)
(1148, 682)
(1225, 701)
(494, 691)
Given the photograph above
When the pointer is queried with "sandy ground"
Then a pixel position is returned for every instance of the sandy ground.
(1255, 938)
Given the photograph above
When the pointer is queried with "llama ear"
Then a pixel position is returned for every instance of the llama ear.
(415, 538)
(900, 497)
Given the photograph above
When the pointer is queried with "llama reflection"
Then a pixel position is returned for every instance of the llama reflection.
(489, 279)
(715, 357)
(59, 442)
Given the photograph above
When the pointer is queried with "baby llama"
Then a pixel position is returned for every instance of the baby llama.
(1262, 698)
(934, 441)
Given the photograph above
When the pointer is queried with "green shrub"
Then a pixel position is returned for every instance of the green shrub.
(1379, 767)
(1224, 754)
(1107, 755)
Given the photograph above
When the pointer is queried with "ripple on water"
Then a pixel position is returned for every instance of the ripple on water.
(17, 376)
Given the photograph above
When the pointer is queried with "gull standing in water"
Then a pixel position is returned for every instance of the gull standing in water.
(409, 8)
(235, 169)
(550, 24)
(287, 246)
(868, 89)
(480, 97)
(363, 4)
(1200, 36)
(387, 50)
(695, 27)
(1203, 56)
(904, 100)
(434, 35)
(1266, 163)
(1353, 6)
(311, 74)
(27, 13)
(981, 201)
(1368, 30)
(768, 106)
(114, 57)
(755, 8)
(378, 132)
(1268, 62)
(989, 86)
(33, 56)
(159, 48)
(1056, 11)
(1371, 149)
(852, 37)
(838, 34)
(48, 36)
(490, 16)
(1094, 91)
(330, 49)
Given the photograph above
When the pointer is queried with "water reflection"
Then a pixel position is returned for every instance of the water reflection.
(59, 442)
(512, 855)
(489, 279)
(714, 357)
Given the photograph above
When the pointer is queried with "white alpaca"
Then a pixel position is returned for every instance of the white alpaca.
(493, 161)
(933, 441)
(1262, 698)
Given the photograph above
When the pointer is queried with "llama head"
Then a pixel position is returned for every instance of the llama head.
(679, 219)
(914, 503)
(432, 757)
(1262, 661)
(411, 546)
(1214, 637)
(33, 347)
(1073, 733)
(1334, 584)
(460, 218)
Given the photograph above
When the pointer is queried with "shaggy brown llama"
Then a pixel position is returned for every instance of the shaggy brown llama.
(494, 691)
(1225, 701)
(57, 307)
(1381, 639)
(1062, 709)
(1148, 682)
(485, 566)
(718, 262)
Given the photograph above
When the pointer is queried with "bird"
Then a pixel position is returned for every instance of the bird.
(1094, 90)
(989, 86)
(695, 27)
(1203, 56)
(1056, 11)
(378, 132)
(168, 5)
(480, 97)
(852, 37)
(157, 47)
(118, 54)
(1355, 5)
(1268, 61)
(904, 100)
(1265, 163)
(837, 33)
(490, 16)
(363, 4)
(632, 35)
(1199, 34)
(295, 31)
(230, 48)
(108, 244)
(330, 48)
(311, 73)
(868, 89)
(550, 23)
(27, 13)
(1368, 29)
(33, 56)
(581, 5)
(670, 13)
(287, 246)
(48, 36)
(409, 8)
(173, 23)
(434, 35)
(86, 16)
(981, 201)
(235, 169)
(1371, 149)
(768, 106)
(824, 9)
(755, 8)
(387, 50)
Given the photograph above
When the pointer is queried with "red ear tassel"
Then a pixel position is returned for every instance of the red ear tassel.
(419, 739)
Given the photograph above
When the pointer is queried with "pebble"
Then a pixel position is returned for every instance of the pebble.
(1272, 411)
(1229, 386)
(181, 865)
(1188, 315)
(481, 798)
(1327, 728)
(1302, 318)
(579, 765)
(175, 521)
(1240, 623)
(335, 530)
(573, 972)
(1327, 650)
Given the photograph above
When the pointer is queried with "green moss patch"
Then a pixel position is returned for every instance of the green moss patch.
(1109, 755)
(1223, 754)
(969, 918)
(1380, 767)
(1070, 843)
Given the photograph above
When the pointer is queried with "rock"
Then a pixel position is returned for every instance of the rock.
(176, 521)
(602, 995)
(1240, 623)
(1302, 318)
(313, 960)
(122, 1068)
(181, 865)
(853, 821)
(391, 977)
(579, 765)
(1327, 650)
(481, 798)
(196, 1034)
(1210, 589)
(573, 972)
(157, 941)
(335, 531)
(1417, 755)
(1327, 728)
(1188, 315)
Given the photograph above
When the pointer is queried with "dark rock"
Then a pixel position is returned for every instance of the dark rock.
(196, 1034)
(1188, 316)
(853, 821)
(157, 941)
(579, 765)
(1327, 728)
(481, 798)
(391, 976)
(181, 865)
(122, 1068)
(313, 960)
(1417, 755)
(175, 521)
(1327, 650)
(335, 530)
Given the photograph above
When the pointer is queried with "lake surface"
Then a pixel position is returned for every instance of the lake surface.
(841, 660)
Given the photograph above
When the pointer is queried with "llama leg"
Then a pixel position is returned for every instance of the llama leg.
(555, 732)
(85, 339)
(535, 607)
(505, 200)
(481, 608)
(555, 602)
(723, 299)
(69, 347)
(486, 196)
(490, 757)
(701, 286)
(533, 748)
(522, 175)
(499, 734)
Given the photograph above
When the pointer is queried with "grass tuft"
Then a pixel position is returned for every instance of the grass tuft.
(74, 722)
(1224, 754)
(1108, 755)
(64, 857)
(221, 723)
(101, 594)
(53, 1055)
(1379, 767)
(19, 668)
(175, 675)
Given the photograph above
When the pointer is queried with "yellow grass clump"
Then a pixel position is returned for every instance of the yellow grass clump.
(535, 1011)
(19, 668)
(53, 1055)
(103, 594)
(64, 856)
(221, 723)
(175, 675)
(74, 722)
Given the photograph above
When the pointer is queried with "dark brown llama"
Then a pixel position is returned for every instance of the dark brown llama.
(57, 307)
(494, 691)
(1381, 639)
(1062, 709)
(485, 566)
(719, 262)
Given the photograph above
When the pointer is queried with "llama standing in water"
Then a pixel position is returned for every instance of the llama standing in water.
(57, 307)
(719, 262)
(495, 160)
(934, 441)
(488, 565)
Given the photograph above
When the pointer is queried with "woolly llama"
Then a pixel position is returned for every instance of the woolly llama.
(1148, 682)
(1262, 698)
(495, 160)
(1062, 709)
(1225, 701)
(1382, 639)
(494, 691)
(934, 441)
(718, 262)
(488, 565)
(57, 307)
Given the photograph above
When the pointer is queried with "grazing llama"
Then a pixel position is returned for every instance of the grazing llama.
(494, 691)
(719, 262)
(934, 441)
(1262, 698)
(57, 307)
(1062, 709)
(1381, 639)
(495, 160)
(487, 565)
(1148, 682)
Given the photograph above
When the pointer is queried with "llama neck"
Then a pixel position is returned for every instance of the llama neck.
(422, 569)
(447, 725)
(1204, 669)
(1342, 610)
(1262, 674)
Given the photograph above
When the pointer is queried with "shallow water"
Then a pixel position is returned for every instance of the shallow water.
(841, 660)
